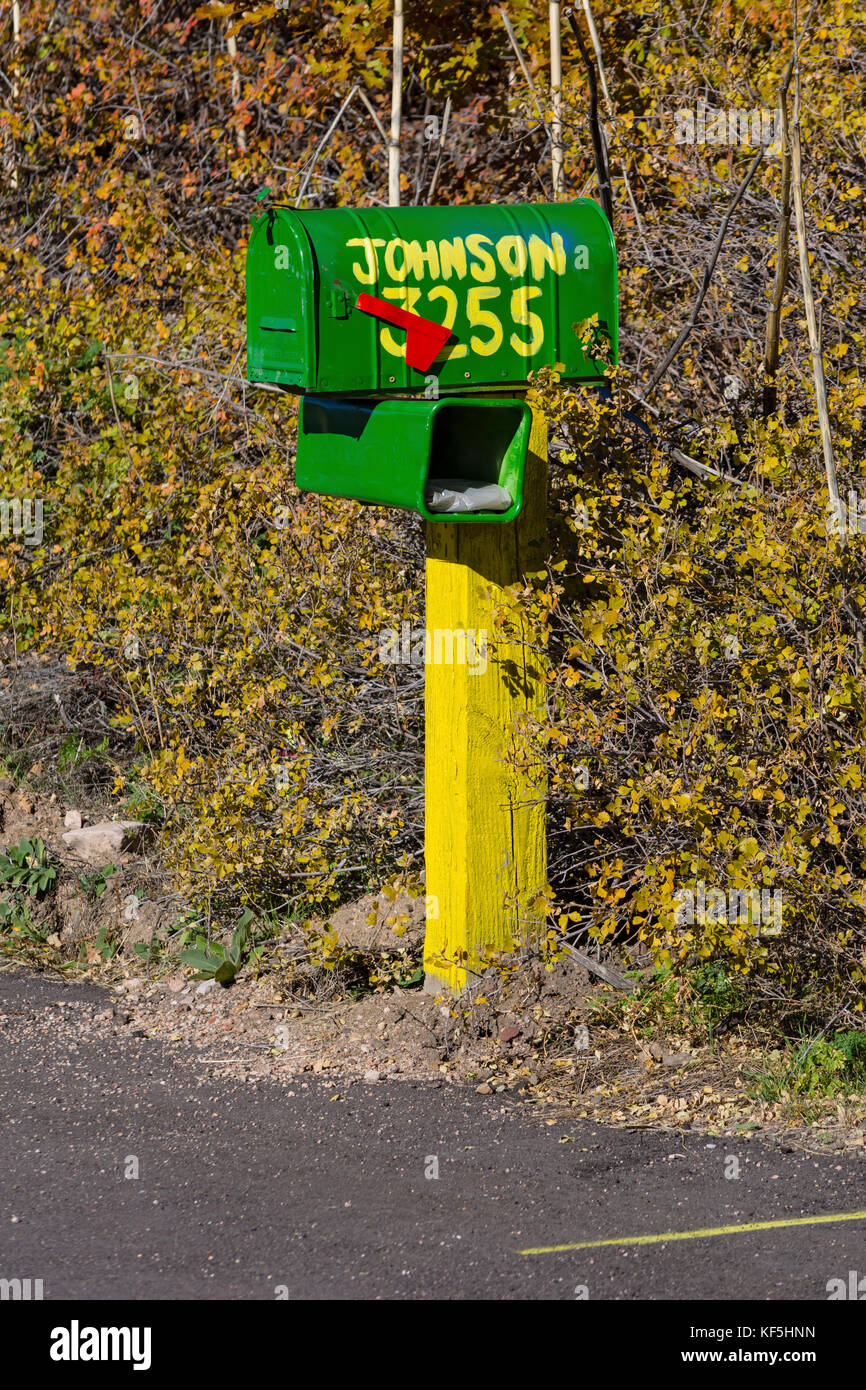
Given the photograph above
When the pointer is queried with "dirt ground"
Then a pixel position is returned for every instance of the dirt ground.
(252, 1030)
(555, 1039)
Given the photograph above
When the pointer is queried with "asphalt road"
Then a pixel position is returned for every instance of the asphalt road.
(253, 1193)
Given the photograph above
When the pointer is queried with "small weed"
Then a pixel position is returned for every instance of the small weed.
(73, 752)
(817, 1069)
(214, 962)
(26, 873)
(359, 970)
(694, 1003)
(94, 885)
(15, 918)
(27, 867)
(139, 801)
(105, 945)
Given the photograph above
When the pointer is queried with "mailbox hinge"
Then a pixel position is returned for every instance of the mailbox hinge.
(339, 303)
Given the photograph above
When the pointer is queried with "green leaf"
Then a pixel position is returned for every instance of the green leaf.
(200, 960)
(415, 979)
(92, 350)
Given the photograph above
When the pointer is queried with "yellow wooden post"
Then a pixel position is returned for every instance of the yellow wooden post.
(486, 847)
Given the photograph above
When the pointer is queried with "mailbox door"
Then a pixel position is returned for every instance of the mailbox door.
(512, 283)
(372, 452)
(281, 304)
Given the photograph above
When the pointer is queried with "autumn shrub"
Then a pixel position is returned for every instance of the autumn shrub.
(217, 606)
(706, 704)
(704, 729)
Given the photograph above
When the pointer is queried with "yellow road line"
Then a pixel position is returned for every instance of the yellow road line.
(697, 1235)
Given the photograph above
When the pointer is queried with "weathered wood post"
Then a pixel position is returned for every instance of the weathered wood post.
(485, 838)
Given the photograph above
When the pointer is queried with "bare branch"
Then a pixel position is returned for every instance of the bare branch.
(774, 314)
(321, 145)
(232, 46)
(596, 44)
(705, 283)
(527, 76)
(809, 303)
(599, 152)
(442, 133)
(373, 112)
(396, 109)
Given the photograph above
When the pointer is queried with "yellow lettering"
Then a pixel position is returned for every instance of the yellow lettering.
(542, 255)
(445, 292)
(369, 244)
(390, 263)
(486, 270)
(521, 313)
(511, 252)
(416, 259)
(452, 256)
(407, 297)
(479, 317)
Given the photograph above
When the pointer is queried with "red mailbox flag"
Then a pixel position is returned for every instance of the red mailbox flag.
(424, 339)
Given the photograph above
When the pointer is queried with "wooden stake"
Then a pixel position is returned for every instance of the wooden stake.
(774, 314)
(486, 848)
(240, 133)
(16, 78)
(396, 109)
(556, 94)
(837, 514)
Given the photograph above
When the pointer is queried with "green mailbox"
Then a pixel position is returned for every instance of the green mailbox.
(508, 284)
(361, 309)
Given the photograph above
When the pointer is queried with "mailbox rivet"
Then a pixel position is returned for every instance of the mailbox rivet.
(466, 374)
(391, 378)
